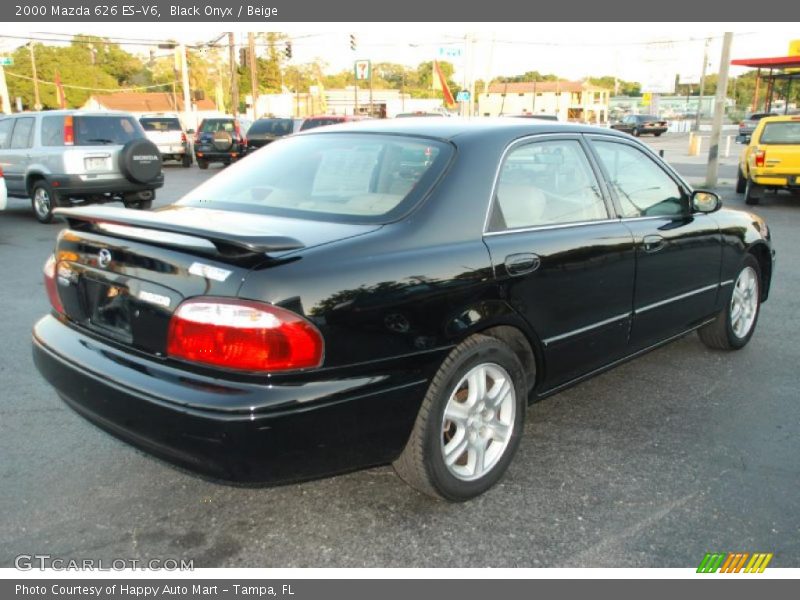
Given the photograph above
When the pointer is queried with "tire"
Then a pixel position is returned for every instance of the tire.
(140, 161)
(43, 200)
(658, 134)
(635, 132)
(186, 160)
(729, 333)
(752, 192)
(137, 202)
(741, 182)
(201, 163)
(422, 463)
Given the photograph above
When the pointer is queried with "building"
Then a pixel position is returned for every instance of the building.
(153, 102)
(568, 100)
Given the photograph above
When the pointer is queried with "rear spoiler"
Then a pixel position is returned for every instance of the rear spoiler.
(155, 228)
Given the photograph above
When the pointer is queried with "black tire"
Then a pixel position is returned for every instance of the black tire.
(635, 132)
(658, 134)
(720, 333)
(741, 182)
(140, 161)
(201, 163)
(422, 464)
(752, 192)
(43, 200)
(139, 200)
(186, 160)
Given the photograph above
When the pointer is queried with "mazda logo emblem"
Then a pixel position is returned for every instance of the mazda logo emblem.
(104, 257)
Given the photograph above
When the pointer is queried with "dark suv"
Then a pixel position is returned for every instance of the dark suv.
(269, 129)
(60, 156)
(219, 140)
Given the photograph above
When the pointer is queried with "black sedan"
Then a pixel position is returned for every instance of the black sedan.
(638, 125)
(388, 292)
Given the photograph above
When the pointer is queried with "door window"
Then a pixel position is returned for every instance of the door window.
(22, 135)
(546, 183)
(644, 189)
(5, 132)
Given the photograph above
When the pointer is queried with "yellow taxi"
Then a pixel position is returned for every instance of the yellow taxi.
(772, 159)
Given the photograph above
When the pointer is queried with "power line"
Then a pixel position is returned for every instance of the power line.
(93, 89)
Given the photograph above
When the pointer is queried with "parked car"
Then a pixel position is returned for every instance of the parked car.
(539, 116)
(638, 125)
(418, 113)
(57, 157)
(772, 159)
(264, 131)
(322, 120)
(166, 132)
(748, 125)
(391, 291)
(219, 139)
(3, 191)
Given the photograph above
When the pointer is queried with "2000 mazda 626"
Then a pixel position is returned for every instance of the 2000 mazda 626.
(388, 292)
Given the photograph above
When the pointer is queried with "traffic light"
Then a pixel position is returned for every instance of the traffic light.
(352, 42)
(288, 50)
(244, 58)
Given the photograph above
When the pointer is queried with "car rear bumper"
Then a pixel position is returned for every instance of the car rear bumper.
(88, 185)
(777, 179)
(231, 430)
(211, 154)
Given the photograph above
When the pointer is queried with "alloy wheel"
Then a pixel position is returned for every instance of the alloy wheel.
(744, 302)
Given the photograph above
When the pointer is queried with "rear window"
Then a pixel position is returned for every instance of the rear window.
(311, 123)
(648, 118)
(272, 126)
(214, 125)
(353, 178)
(160, 124)
(98, 130)
(786, 132)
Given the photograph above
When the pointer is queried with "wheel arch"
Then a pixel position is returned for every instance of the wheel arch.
(762, 254)
(31, 178)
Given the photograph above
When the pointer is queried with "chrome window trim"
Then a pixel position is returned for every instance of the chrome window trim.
(546, 227)
(609, 321)
(706, 288)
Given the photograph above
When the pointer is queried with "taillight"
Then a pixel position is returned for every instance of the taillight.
(243, 335)
(760, 157)
(183, 138)
(238, 131)
(69, 131)
(51, 285)
(1, 172)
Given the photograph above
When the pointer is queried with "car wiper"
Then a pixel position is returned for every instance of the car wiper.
(101, 140)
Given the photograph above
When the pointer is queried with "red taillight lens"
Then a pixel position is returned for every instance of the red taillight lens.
(183, 138)
(244, 335)
(1, 172)
(761, 155)
(69, 131)
(51, 285)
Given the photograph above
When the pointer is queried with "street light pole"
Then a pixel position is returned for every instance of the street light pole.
(702, 85)
(187, 98)
(719, 110)
(234, 75)
(37, 104)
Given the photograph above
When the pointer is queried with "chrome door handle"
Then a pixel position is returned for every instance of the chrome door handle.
(653, 243)
(522, 263)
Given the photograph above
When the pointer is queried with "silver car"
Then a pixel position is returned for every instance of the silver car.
(66, 157)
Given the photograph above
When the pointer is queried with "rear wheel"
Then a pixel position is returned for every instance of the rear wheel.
(752, 192)
(470, 422)
(658, 134)
(139, 200)
(202, 163)
(741, 182)
(43, 200)
(635, 132)
(187, 160)
(735, 324)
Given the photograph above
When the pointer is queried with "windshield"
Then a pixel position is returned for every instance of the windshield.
(353, 178)
(92, 131)
(273, 126)
(160, 124)
(787, 132)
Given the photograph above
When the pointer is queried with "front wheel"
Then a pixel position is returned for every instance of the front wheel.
(635, 132)
(470, 422)
(735, 324)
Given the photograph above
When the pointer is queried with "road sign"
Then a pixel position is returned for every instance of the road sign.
(462, 96)
(362, 69)
(6, 61)
(448, 52)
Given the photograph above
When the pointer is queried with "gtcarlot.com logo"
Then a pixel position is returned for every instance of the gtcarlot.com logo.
(42, 562)
(734, 562)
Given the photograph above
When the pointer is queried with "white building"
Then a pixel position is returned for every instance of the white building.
(568, 100)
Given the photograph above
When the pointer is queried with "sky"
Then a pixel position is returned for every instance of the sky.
(571, 50)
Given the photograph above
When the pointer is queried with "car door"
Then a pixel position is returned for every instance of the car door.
(678, 252)
(18, 154)
(561, 259)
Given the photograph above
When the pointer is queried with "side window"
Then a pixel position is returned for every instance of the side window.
(6, 125)
(643, 188)
(23, 133)
(546, 183)
(52, 131)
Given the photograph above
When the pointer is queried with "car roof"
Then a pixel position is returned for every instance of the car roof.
(70, 113)
(781, 118)
(448, 129)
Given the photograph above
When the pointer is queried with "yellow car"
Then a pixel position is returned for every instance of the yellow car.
(772, 159)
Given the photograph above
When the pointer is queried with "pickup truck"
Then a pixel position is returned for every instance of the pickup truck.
(772, 159)
(166, 132)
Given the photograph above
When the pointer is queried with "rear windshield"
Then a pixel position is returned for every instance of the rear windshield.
(352, 178)
(648, 118)
(786, 132)
(160, 124)
(93, 131)
(311, 123)
(214, 125)
(273, 126)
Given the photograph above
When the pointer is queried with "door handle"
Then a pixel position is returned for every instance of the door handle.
(522, 263)
(653, 243)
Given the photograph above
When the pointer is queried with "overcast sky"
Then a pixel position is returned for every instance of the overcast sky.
(572, 50)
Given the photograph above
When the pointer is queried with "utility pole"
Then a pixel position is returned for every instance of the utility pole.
(37, 103)
(234, 74)
(251, 45)
(187, 96)
(4, 99)
(702, 85)
(719, 110)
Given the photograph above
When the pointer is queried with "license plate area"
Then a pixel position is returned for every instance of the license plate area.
(108, 307)
(96, 164)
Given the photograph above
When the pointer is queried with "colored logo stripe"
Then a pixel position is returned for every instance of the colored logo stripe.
(733, 562)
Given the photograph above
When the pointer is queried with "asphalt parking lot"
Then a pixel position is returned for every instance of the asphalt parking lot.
(681, 452)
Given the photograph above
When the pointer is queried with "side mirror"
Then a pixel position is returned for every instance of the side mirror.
(705, 202)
